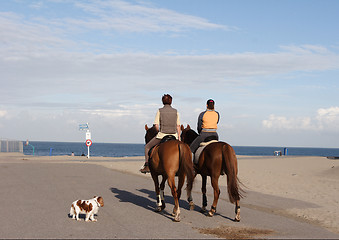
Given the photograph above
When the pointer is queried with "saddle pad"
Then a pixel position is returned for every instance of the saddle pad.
(204, 144)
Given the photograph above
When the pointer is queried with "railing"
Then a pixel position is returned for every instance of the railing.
(11, 146)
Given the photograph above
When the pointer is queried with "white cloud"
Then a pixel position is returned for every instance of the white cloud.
(125, 16)
(95, 81)
(306, 49)
(327, 119)
(62, 72)
(135, 111)
(110, 16)
(37, 5)
(281, 122)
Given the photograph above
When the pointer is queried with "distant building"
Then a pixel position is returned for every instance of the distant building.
(11, 146)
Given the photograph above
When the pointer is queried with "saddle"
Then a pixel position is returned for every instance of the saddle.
(164, 139)
(210, 138)
(167, 138)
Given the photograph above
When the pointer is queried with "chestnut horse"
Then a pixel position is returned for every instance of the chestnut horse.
(168, 159)
(216, 158)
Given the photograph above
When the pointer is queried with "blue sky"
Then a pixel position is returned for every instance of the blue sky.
(271, 66)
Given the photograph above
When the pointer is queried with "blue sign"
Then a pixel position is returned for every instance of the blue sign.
(83, 126)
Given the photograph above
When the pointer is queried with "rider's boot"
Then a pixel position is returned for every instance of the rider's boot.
(145, 168)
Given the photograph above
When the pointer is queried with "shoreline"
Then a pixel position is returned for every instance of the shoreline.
(305, 188)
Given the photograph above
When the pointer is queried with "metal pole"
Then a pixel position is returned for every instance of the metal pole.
(32, 147)
(87, 151)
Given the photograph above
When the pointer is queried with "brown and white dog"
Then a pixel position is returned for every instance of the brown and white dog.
(88, 207)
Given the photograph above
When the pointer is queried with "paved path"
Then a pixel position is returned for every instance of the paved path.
(36, 197)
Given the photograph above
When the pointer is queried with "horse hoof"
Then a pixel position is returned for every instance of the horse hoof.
(203, 209)
(158, 209)
(237, 214)
(176, 219)
(175, 213)
(191, 206)
(212, 211)
(210, 214)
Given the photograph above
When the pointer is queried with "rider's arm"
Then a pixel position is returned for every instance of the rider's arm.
(199, 128)
(156, 122)
(179, 132)
(178, 127)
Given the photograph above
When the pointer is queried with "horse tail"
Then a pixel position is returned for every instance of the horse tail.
(231, 170)
(185, 159)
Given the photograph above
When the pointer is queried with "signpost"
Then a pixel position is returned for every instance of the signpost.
(28, 144)
(88, 136)
(88, 144)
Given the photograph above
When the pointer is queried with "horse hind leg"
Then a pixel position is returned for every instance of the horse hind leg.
(157, 192)
(203, 190)
(237, 211)
(214, 181)
(176, 209)
(181, 182)
(190, 180)
(190, 201)
(159, 207)
(162, 197)
(189, 192)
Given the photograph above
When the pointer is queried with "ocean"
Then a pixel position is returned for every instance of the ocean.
(130, 150)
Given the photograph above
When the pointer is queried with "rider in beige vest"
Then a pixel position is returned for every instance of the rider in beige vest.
(168, 122)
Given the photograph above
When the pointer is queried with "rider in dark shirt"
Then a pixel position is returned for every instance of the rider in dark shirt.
(207, 125)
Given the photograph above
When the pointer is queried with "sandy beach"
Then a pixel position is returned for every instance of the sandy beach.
(311, 184)
(312, 180)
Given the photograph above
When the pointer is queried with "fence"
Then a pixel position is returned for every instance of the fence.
(11, 146)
